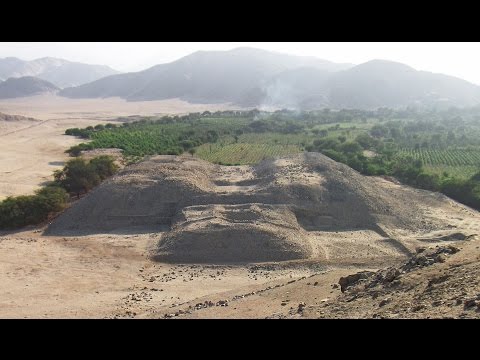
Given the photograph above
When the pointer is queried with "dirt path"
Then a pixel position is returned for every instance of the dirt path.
(24, 128)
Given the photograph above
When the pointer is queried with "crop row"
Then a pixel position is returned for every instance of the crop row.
(436, 157)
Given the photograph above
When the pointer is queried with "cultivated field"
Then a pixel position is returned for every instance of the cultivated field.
(244, 153)
(460, 163)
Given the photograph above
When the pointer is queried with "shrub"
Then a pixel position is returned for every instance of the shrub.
(80, 176)
(20, 211)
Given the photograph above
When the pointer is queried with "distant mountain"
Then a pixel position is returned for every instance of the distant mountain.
(24, 86)
(386, 83)
(377, 83)
(61, 73)
(294, 88)
(203, 77)
(259, 78)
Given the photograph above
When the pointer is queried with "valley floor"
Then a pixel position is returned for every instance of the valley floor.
(30, 151)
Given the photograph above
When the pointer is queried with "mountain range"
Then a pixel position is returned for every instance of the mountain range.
(251, 77)
(202, 77)
(256, 78)
(61, 73)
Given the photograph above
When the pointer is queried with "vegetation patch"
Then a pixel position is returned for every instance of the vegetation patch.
(429, 149)
(78, 176)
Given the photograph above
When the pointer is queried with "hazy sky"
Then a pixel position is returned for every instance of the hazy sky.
(461, 59)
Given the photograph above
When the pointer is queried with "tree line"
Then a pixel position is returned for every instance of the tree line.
(407, 169)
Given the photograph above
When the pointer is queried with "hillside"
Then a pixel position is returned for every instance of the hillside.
(258, 78)
(25, 86)
(204, 76)
(371, 85)
(380, 83)
(436, 282)
(299, 88)
(60, 72)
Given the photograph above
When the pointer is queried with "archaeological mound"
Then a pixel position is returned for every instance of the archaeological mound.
(283, 209)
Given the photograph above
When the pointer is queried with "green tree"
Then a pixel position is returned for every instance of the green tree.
(20, 211)
(77, 177)
(379, 131)
(428, 181)
(351, 147)
(104, 166)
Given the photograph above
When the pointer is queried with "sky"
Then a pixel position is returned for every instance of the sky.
(460, 59)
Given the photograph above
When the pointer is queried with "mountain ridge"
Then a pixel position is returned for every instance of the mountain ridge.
(60, 72)
(203, 76)
(24, 86)
(258, 78)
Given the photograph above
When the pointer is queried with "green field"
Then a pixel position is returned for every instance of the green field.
(275, 138)
(462, 172)
(243, 153)
(251, 148)
(459, 163)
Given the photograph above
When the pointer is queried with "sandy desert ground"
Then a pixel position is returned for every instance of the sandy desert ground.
(114, 276)
(108, 276)
(31, 150)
